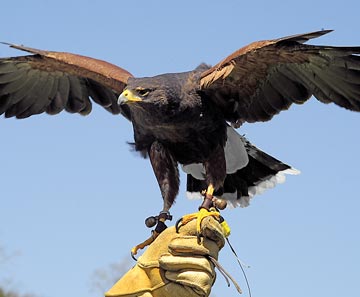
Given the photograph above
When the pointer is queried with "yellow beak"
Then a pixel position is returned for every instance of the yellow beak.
(127, 97)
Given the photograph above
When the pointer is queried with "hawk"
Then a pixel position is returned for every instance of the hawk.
(190, 118)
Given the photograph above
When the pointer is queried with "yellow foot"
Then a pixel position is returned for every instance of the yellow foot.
(144, 244)
(199, 216)
(154, 234)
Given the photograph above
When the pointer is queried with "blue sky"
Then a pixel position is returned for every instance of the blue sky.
(73, 196)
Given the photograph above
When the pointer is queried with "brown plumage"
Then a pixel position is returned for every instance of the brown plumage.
(184, 117)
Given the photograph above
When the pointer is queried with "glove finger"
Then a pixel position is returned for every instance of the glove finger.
(188, 245)
(211, 229)
(200, 281)
(174, 289)
(177, 263)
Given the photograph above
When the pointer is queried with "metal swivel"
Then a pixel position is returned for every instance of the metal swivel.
(153, 220)
(219, 203)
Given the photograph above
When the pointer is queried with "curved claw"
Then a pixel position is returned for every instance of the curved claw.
(184, 220)
(154, 234)
(143, 244)
(178, 224)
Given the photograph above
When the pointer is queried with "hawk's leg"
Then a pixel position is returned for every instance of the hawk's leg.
(166, 171)
(215, 168)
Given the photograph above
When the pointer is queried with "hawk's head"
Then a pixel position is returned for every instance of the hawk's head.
(158, 90)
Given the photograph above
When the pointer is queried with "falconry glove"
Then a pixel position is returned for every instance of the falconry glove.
(175, 264)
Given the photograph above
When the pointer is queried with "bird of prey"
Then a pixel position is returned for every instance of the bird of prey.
(190, 118)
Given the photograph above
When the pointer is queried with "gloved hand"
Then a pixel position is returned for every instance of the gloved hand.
(175, 264)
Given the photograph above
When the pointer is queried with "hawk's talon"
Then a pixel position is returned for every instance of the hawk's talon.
(199, 216)
(160, 227)
(178, 225)
(198, 237)
(143, 244)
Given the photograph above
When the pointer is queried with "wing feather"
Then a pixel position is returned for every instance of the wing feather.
(52, 81)
(319, 89)
(100, 95)
(38, 105)
(61, 95)
(36, 93)
(26, 86)
(15, 85)
(273, 97)
(78, 92)
(289, 89)
(266, 77)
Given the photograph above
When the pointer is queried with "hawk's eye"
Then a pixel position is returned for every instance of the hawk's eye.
(143, 92)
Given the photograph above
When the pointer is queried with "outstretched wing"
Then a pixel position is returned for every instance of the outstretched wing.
(53, 81)
(260, 80)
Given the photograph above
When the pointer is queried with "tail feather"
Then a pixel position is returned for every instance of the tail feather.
(261, 172)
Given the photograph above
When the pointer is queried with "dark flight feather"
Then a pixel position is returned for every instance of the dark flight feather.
(277, 73)
(52, 81)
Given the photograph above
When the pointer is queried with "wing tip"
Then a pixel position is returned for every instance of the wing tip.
(6, 43)
(23, 48)
(302, 38)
